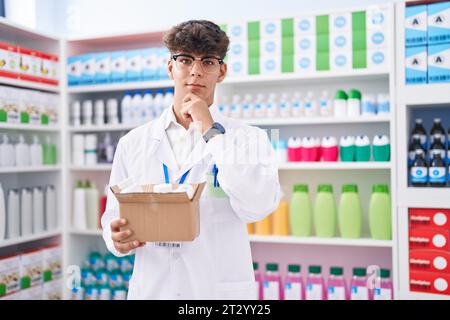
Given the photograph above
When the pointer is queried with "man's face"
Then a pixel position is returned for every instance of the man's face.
(198, 77)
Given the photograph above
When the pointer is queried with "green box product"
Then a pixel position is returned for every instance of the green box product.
(253, 28)
(359, 41)
(254, 47)
(287, 28)
(254, 66)
(287, 46)
(254, 50)
(323, 43)
(287, 63)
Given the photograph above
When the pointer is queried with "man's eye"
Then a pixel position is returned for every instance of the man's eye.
(186, 61)
(208, 62)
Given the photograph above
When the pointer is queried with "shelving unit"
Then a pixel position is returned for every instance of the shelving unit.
(29, 127)
(34, 237)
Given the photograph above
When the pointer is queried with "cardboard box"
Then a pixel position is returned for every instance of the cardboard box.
(52, 263)
(52, 290)
(88, 68)
(429, 260)
(434, 218)
(439, 63)
(341, 60)
(429, 282)
(134, 65)
(149, 64)
(31, 269)
(305, 25)
(270, 29)
(160, 216)
(437, 239)
(49, 68)
(102, 67)
(416, 25)
(74, 67)
(416, 65)
(9, 60)
(30, 65)
(237, 30)
(439, 22)
(237, 67)
(9, 275)
(118, 66)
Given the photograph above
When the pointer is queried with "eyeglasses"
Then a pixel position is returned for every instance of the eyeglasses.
(185, 62)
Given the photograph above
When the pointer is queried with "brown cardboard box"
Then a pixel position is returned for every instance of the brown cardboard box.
(160, 216)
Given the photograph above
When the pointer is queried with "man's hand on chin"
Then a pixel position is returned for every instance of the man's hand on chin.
(196, 109)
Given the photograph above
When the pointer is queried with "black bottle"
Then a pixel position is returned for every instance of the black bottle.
(419, 170)
(414, 145)
(437, 145)
(437, 171)
(420, 130)
(437, 129)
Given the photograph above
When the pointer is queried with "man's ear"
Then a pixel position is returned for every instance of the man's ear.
(223, 72)
(170, 69)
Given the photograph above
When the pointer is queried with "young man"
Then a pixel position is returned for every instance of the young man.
(187, 141)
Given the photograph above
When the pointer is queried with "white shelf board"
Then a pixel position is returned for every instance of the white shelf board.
(321, 241)
(120, 86)
(86, 232)
(315, 120)
(20, 31)
(29, 84)
(335, 166)
(98, 167)
(103, 128)
(28, 127)
(295, 77)
(34, 237)
(418, 197)
(29, 169)
(426, 94)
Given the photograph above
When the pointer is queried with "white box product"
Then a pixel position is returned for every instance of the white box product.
(439, 63)
(340, 41)
(270, 65)
(340, 22)
(304, 25)
(134, 65)
(74, 67)
(377, 58)
(149, 63)
(376, 38)
(102, 67)
(270, 29)
(305, 64)
(270, 47)
(439, 22)
(88, 68)
(52, 290)
(9, 275)
(31, 268)
(237, 30)
(238, 50)
(237, 67)
(415, 25)
(377, 17)
(416, 65)
(50, 68)
(341, 60)
(52, 262)
(118, 66)
(30, 64)
(32, 293)
(305, 45)
(9, 60)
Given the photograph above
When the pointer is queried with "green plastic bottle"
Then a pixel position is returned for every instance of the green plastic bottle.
(380, 222)
(325, 212)
(300, 212)
(350, 214)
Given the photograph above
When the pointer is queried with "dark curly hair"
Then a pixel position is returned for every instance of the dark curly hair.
(197, 36)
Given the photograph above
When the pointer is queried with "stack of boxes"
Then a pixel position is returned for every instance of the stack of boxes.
(429, 250)
(119, 66)
(427, 41)
(340, 41)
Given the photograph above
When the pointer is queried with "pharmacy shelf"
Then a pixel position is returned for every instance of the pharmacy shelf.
(316, 120)
(21, 240)
(22, 33)
(103, 128)
(427, 94)
(79, 232)
(29, 127)
(7, 170)
(335, 166)
(29, 85)
(419, 197)
(120, 86)
(365, 74)
(98, 167)
(321, 241)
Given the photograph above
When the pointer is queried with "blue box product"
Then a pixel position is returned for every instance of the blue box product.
(88, 68)
(149, 64)
(74, 67)
(134, 65)
(439, 63)
(163, 58)
(416, 65)
(416, 25)
(439, 22)
(102, 67)
(118, 66)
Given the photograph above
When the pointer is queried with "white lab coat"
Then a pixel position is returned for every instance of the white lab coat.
(218, 263)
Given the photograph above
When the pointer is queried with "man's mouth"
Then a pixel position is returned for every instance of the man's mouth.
(195, 85)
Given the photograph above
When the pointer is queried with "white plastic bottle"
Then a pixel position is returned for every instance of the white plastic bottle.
(90, 149)
(285, 105)
(340, 104)
(78, 142)
(13, 216)
(147, 102)
(2, 213)
(223, 106)
(7, 153)
(138, 112)
(36, 152)
(168, 98)
(92, 206)
(99, 112)
(79, 207)
(260, 106)
(38, 211)
(236, 107)
(158, 102)
(76, 113)
(126, 109)
(272, 105)
(50, 208)
(368, 105)
(26, 210)
(383, 104)
(247, 106)
(311, 109)
(112, 111)
(22, 152)
(297, 105)
(87, 112)
(354, 103)
(325, 105)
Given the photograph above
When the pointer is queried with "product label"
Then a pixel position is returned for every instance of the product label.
(359, 293)
(314, 292)
(437, 175)
(271, 290)
(296, 105)
(308, 105)
(292, 291)
(382, 294)
(419, 174)
(336, 293)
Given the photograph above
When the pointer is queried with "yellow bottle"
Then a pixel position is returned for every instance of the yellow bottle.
(264, 226)
(281, 219)
(250, 228)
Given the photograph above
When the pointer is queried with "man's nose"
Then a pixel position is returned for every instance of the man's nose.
(197, 69)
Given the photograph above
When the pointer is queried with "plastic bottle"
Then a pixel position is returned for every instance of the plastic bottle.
(350, 214)
(223, 106)
(437, 146)
(2, 214)
(126, 109)
(362, 149)
(273, 289)
(260, 106)
(300, 212)
(315, 284)
(340, 104)
(158, 102)
(139, 113)
(103, 201)
(285, 105)
(294, 149)
(293, 283)
(325, 215)
(26, 210)
(259, 282)
(7, 153)
(337, 288)
(437, 128)
(419, 170)
(415, 145)
(38, 211)
(90, 149)
(383, 104)
(106, 150)
(76, 113)
(264, 227)
(99, 112)
(359, 290)
(36, 152)
(22, 152)
(168, 98)
(50, 208)
(329, 150)
(310, 149)
(347, 149)
(280, 219)
(78, 142)
(368, 105)
(325, 104)
(112, 112)
(92, 206)
(384, 292)
(380, 213)
(236, 107)
(247, 106)
(87, 112)
(272, 106)
(381, 148)
(147, 103)
(281, 151)
(420, 130)
(79, 207)
(13, 215)
(437, 174)
(354, 103)
(311, 109)
(50, 152)
(297, 105)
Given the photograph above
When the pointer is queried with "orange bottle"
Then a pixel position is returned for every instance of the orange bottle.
(250, 228)
(281, 219)
(264, 226)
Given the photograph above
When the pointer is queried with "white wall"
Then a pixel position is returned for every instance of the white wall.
(95, 17)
